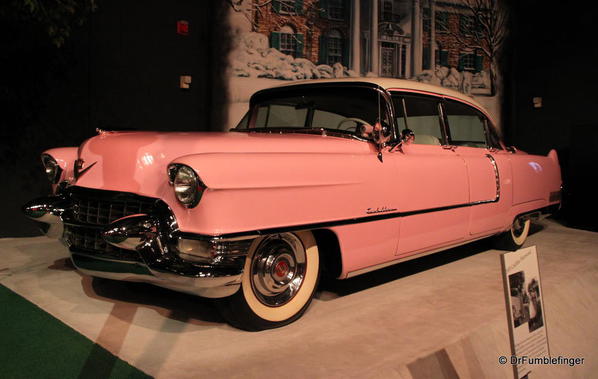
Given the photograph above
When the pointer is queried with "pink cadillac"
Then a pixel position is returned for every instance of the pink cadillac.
(347, 175)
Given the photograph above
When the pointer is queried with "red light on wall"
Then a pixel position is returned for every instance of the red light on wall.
(182, 27)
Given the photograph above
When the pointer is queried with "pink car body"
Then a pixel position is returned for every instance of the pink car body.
(369, 203)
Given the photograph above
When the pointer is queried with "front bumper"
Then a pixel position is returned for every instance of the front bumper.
(143, 245)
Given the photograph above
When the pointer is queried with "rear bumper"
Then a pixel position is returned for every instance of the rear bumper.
(143, 247)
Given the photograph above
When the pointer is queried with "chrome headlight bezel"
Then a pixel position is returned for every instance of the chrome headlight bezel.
(53, 169)
(188, 188)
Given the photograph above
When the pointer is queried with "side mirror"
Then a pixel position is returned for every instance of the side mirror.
(381, 133)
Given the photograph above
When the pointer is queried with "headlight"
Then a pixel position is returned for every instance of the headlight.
(187, 186)
(53, 170)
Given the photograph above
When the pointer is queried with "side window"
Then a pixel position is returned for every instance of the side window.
(466, 125)
(244, 123)
(421, 118)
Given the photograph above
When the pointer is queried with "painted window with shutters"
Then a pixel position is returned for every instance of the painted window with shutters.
(287, 41)
(426, 57)
(466, 61)
(471, 61)
(442, 56)
(427, 20)
(441, 22)
(336, 9)
(387, 10)
(334, 47)
(466, 25)
(287, 6)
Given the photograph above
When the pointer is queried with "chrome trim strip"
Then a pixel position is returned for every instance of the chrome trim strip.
(326, 224)
(496, 173)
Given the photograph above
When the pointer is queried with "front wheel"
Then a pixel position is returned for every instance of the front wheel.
(279, 280)
(515, 237)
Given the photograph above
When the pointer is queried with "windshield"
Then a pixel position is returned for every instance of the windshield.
(341, 109)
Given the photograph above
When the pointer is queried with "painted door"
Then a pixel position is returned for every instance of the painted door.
(488, 169)
(432, 183)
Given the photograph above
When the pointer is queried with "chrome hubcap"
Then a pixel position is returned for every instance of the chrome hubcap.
(278, 269)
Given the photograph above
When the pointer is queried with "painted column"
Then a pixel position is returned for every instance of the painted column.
(416, 41)
(356, 39)
(375, 58)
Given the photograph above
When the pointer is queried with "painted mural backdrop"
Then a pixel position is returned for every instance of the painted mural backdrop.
(452, 43)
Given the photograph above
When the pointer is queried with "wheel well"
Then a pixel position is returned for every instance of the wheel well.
(330, 252)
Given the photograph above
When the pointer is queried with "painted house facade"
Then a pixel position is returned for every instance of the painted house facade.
(391, 38)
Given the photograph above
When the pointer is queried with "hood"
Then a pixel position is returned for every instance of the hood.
(136, 161)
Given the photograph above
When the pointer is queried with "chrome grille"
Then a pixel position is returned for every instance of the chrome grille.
(89, 241)
(94, 209)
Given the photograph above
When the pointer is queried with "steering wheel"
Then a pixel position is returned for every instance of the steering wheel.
(349, 119)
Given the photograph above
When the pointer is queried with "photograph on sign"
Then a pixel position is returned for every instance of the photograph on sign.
(525, 309)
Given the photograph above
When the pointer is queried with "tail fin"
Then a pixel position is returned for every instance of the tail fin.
(552, 154)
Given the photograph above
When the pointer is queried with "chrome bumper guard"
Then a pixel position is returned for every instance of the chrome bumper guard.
(205, 266)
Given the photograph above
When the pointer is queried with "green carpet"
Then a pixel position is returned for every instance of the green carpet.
(34, 344)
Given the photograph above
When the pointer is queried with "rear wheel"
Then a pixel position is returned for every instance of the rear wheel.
(515, 237)
(279, 280)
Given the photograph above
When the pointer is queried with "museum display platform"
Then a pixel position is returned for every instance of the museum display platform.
(440, 316)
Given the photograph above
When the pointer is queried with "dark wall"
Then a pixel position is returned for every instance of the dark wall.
(551, 55)
(119, 70)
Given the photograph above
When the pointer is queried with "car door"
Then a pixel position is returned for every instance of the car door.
(432, 181)
(487, 166)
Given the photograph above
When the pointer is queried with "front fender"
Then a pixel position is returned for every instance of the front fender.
(275, 170)
(248, 192)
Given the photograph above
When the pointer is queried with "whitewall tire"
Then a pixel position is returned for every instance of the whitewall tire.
(279, 280)
(515, 237)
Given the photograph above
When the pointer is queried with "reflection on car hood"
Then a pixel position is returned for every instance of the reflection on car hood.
(136, 161)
